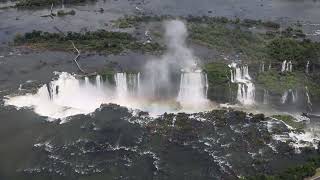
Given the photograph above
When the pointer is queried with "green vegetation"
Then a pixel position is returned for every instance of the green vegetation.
(290, 49)
(229, 40)
(135, 20)
(295, 173)
(272, 46)
(313, 85)
(220, 87)
(101, 41)
(295, 33)
(126, 22)
(291, 121)
(108, 74)
(39, 3)
(64, 13)
(251, 22)
(276, 82)
(227, 36)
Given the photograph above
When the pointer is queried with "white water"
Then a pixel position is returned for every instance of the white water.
(152, 93)
(69, 95)
(99, 81)
(309, 103)
(293, 94)
(269, 68)
(246, 89)
(265, 96)
(193, 89)
(286, 66)
(262, 69)
(307, 67)
(121, 85)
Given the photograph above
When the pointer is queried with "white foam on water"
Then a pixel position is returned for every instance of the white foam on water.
(246, 88)
(63, 97)
(67, 96)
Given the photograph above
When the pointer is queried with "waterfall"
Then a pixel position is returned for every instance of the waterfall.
(286, 66)
(294, 95)
(62, 4)
(121, 85)
(289, 66)
(246, 89)
(207, 85)
(284, 97)
(232, 76)
(283, 66)
(246, 94)
(307, 67)
(69, 95)
(193, 88)
(99, 81)
(265, 96)
(127, 84)
(138, 85)
(269, 67)
(262, 67)
(289, 93)
(132, 83)
(63, 97)
(308, 98)
(86, 80)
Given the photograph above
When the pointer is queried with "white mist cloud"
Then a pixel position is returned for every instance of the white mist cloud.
(178, 56)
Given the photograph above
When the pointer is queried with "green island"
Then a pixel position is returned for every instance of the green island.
(40, 3)
(99, 41)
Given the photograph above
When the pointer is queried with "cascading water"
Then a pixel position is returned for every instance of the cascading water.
(284, 97)
(193, 88)
(307, 67)
(63, 97)
(121, 85)
(265, 96)
(246, 89)
(287, 94)
(155, 91)
(262, 67)
(309, 103)
(286, 66)
(86, 80)
(269, 68)
(99, 81)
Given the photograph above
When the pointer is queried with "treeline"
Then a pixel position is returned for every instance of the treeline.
(130, 21)
(297, 51)
(101, 40)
